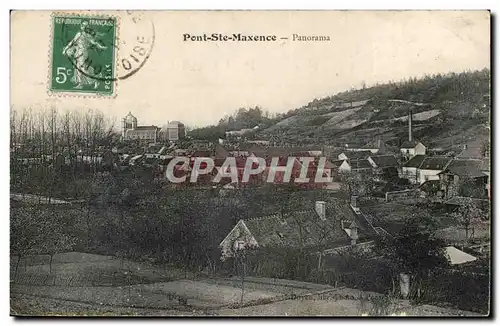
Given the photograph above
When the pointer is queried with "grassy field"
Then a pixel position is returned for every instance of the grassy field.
(154, 296)
(81, 269)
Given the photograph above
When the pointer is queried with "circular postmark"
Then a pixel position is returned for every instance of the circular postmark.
(99, 52)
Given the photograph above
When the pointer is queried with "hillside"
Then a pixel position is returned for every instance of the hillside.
(449, 110)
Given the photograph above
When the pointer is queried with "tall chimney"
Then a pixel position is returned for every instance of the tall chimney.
(410, 138)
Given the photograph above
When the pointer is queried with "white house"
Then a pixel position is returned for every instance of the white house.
(411, 148)
(430, 168)
(410, 169)
(239, 238)
(346, 166)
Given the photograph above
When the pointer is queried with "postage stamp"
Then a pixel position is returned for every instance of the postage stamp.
(83, 54)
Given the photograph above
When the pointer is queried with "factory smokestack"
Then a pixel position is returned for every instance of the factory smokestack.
(410, 136)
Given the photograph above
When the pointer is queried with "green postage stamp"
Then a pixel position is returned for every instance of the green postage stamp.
(83, 54)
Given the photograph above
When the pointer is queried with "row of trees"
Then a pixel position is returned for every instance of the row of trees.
(45, 131)
(35, 231)
(39, 139)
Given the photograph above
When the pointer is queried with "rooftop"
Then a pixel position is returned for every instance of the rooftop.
(146, 128)
(409, 144)
(415, 161)
(466, 167)
(360, 164)
(286, 229)
(385, 161)
(357, 154)
(435, 163)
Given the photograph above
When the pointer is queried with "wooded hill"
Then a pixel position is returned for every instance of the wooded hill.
(448, 110)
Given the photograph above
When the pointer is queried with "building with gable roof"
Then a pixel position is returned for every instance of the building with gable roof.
(320, 228)
(464, 175)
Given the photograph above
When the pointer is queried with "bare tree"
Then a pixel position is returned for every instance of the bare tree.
(469, 216)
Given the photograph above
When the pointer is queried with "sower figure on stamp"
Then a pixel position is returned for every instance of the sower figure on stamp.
(78, 49)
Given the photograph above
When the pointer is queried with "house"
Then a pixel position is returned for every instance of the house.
(200, 154)
(316, 228)
(409, 170)
(239, 133)
(411, 148)
(430, 168)
(306, 151)
(266, 152)
(386, 165)
(356, 166)
(374, 147)
(174, 131)
(342, 166)
(151, 155)
(180, 152)
(354, 155)
(464, 177)
(383, 161)
(485, 168)
(136, 159)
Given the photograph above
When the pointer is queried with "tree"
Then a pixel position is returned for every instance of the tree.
(357, 183)
(471, 187)
(55, 242)
(25, 237)
(415, 250)
(240, 256)
(468, 215)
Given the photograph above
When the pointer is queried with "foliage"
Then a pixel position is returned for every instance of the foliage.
(243, 118)
(284, 263)
(430, 89)
(211, 133)
(469, 187)
(359, 183)
(469, 215)
(24, 233)
(39, 231)
(381, 306)
(415, 250)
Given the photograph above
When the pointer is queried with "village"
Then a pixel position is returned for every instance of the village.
(343, 231)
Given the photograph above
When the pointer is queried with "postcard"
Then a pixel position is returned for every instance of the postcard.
(250, 163)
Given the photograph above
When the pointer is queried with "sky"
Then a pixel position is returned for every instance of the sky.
(199, 82)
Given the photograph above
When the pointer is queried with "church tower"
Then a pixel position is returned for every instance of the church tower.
(129, 122)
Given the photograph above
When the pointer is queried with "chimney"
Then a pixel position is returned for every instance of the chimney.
(321, 209)
(410, 117)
